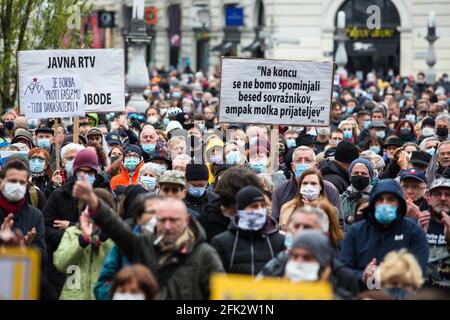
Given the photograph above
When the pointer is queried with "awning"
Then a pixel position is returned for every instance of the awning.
(223, 47)
(255, 45)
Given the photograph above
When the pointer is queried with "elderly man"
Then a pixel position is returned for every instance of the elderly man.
(177, 252)
(147, 139)
(437, 227)
(302, 159)
(180, 162)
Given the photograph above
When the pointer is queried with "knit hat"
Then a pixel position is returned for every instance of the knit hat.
(305, 140)
(317, 244)
(94, 132)
(196, 172)
(364, 162)
(247, 196)
(346, 152)
(44, 130)
(85, 158)
(133, 148)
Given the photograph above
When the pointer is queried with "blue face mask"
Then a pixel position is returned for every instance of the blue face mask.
(43, 143)
(291, 143)
(431, 151)
(37, 165)
(350, 110)
(148, 147)
(258, 166)
(385, 213)
(149, 182)
(91, 179)
(381, 134)
(165, 122)
(233, 157)
(411, 117)
(288, 240)
(69, 167)
(347, 134)
(252, 141)
(131, 164)
(300, 167)
(196, 192)
(375, 149)
(367, 123)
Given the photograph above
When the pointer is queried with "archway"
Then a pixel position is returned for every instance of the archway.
(371, 49)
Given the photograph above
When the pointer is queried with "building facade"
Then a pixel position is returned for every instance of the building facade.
(196, 33)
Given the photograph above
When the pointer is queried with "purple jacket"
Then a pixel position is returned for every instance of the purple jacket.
(287, 190)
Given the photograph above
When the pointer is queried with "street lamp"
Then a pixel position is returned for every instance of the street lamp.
(430, 57)
(137, 38)
(341, 54)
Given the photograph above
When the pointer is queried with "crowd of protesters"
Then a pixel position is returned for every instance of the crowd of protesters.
(150, 205)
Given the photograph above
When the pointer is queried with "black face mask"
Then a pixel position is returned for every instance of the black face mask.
(442, 132)
(405, 131)
(9, 125)
(360, 182)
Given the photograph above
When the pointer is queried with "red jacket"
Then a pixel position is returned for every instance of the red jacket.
(124, 179)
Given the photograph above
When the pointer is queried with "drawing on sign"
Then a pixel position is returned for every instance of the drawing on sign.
(34, 86)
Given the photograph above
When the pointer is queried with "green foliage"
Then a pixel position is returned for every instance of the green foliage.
(36, 24)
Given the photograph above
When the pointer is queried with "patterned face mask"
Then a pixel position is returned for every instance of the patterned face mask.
(252, 220)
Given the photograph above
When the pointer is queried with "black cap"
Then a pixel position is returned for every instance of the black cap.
(330, 152)
(247, 196)
(113, 138)
(416, 174)
(183, 118)
(420, 157)
(133, 148)
(305, 140)
(44, 130)
(196, 172)
(346, 152)
(393, 141)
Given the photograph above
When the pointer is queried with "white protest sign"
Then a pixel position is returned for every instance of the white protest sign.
(52, 97)
(278, 92)
(101, 72)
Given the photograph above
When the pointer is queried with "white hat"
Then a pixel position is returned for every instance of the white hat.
(173, 125)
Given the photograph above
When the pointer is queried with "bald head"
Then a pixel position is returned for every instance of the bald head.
(172, 219)
(148, 135)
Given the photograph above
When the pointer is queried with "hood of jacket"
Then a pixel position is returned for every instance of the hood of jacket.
(386, 186)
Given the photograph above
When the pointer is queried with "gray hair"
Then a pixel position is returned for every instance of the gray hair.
(319, 213)
(71, 147)
(182, 157)
(304, 148)
(150, 166)
(424, 142)
(443, 116)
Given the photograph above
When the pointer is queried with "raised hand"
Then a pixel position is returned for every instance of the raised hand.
(29, 237)
(86, 226)
(56, 178)
(8, 222)
(82, 190)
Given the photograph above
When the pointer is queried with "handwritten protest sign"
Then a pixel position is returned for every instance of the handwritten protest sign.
(101, 72)
(52, 96)
(279, 92)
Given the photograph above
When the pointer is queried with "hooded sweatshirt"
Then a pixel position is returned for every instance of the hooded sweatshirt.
(368, 239)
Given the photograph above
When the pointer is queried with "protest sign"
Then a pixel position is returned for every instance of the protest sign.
(19, 273)
(101, 72)
(279, 92)
(52, 96)
(240, 287)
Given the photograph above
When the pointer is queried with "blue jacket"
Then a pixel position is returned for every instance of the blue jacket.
(368, 239)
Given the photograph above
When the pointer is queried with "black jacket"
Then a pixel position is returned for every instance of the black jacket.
(183, 275)
(27, 219)
(345, 285)
(335, 174)
(199, 204)
(212, 219)
(247, 252)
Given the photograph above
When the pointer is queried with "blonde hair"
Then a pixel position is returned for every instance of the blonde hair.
(401, 268)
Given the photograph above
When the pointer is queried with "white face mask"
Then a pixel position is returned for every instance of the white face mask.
(150, 226)
(252, 220)
(427, 132)
(14, 191)
(302, 271)
(310, 192)
(128, 296)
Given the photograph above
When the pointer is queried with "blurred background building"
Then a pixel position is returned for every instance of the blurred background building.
(195, 33)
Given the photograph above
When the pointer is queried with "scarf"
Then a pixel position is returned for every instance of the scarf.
(182, 244)
(11, 207)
